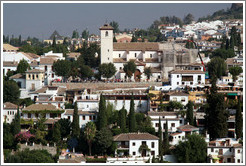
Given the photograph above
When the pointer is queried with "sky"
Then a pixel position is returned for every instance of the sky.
(42, 19)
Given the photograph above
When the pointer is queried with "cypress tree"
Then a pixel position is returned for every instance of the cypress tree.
(189, 113)
(132, 118)
(232, 43)
(239, 121)
(160, 140)
(227, 44)
(102, 115)
(122, 120)
(166, 140)
(75, 123)
(114, 39)
(56, 135)
(16, 127)
(54, 42)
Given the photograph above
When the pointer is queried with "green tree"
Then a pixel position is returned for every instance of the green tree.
(132, 118)
(216, 115)
(11, 92)
(85, 34)
(89, 54)
(223, 53)
(23, 66)
(107, 70)
(148, 72)
(30, 156)
(75, 123)
(54, 42)
(56, 134)
(90, 133)
(16, 127)
(114, 39)
(134, 39)
(129, 68)
(65, 127)
(193, 150)
(8, 137)
(75, 34)
(160, 140)
(85, 72)
(188, 19)
(102, 115)
(227, 44)
(103, 140)
(189, 113)
(115, 25)
(166, 139)
(239, 121)
(235, 71)
(62, 68)
(28, 48)
(122, 119)
(217, 67)
(144, 123)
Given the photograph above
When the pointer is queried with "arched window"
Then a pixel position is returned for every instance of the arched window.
(106, 34)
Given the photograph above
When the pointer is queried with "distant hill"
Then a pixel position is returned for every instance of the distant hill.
(235, 12)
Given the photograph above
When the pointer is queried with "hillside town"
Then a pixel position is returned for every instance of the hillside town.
(120, 97)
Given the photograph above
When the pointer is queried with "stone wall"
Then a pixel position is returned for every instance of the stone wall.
(105, 86)
(51, 150)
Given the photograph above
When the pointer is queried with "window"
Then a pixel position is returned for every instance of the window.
(29, 75)
(157, 125)
(238, 151)
(173, 124)
(108, 50)
(68, 117)
(94, 117)
(143, 142)
(183, 83)
(182, 99)
(135, 55)
(177, 83)
(220, 151)
(33, 76)
(133, 153)
(37, 76)
(120, 68)
(152, 145)
(119, 55)
(87, 106)
(152, 153)
(90, 118)
(238, 160)
(164, 125)
(177, 76)
(212, 149)
(199, 78)
(53, 75)
(29, 115)
(151, 56)
(180, 121)
(191, 83)
(133, 144)
(179, 136)
(106, 33)
(8, 112)
(108, 58)
(45, 68)
(228, 160)
(84, 117)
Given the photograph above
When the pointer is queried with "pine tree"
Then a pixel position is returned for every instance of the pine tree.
(132, 118)
(189, 113)
(122, 119)
(166, 140)
(75, 123)
(239, 121)
(160, 139)
(102, 115)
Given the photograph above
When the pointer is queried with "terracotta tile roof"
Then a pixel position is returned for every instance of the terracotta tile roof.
(80, 112)
(151, 60)
(61, 91)
(156, 70)
(187, 128)
(50, 121)
(237, 145)
(173, 134)
(16, 76)
(230, 61)
(30, 55)
(47, 60)
(134, 136)
(135, 46)
(106, 27)
(8, 47)
(34, 63)
(186, 72)
(177, 94)
(40, 107)
(35, 71)
(73, 54)
(8, 105)
(41, 90)
(119, 60)
(59, 98)
(164, 113)
(10, 64)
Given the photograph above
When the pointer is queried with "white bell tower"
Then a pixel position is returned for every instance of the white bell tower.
(106, 43)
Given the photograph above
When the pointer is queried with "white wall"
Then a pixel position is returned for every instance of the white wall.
(106, 46)
(9, 114)
(138, 143)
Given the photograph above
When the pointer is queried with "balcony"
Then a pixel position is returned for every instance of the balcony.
(123, 147)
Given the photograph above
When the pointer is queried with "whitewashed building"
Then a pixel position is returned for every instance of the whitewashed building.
(9, 111)
(130, 143)
(225, 150)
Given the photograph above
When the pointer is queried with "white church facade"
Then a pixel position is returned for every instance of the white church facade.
(161, 57)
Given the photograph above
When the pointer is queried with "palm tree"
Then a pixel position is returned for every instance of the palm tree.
(90, 132)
